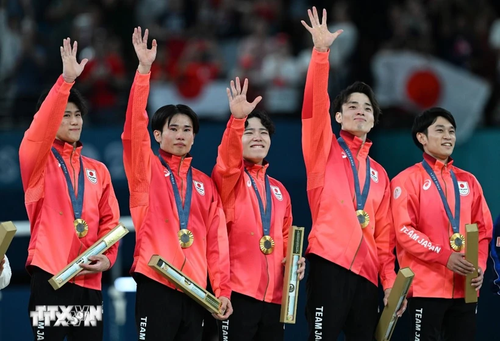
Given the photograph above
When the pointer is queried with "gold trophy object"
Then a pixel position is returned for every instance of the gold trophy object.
(291, 281)
(7, 232)
(186, 284)
(73, 268)
(471, 255)
(388, 320)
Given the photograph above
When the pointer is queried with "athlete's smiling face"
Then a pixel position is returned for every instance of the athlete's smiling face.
(439, 141)
(256, 141)
(357, 115)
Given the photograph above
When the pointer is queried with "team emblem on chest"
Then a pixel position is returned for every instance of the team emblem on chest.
(91, 175)
(199, 187)
(463, 188)
(374, 175)
(277, 192)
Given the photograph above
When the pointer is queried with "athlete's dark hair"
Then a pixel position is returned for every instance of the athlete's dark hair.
(164, 115)
(264, 119)
(75, 97)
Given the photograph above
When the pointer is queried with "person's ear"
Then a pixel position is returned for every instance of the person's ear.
(157, 135)
(422, 138)
(338, 117)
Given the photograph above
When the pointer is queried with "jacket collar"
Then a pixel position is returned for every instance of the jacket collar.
(257, 171)
(437, 165)
(356, 145)
(67, 149)
(178, 164)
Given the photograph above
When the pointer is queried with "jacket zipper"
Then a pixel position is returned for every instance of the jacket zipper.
(357, 250)
(267, 272)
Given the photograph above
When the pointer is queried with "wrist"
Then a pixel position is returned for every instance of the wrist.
(68, 79)
(144, 69)
(321, 49)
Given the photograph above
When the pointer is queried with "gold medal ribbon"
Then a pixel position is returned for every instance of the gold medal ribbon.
(185, 236)
(361, 197)
(457, 240)
(81, 226)
(265, 214)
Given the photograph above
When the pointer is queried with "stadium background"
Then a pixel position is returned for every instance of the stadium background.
(205, 43)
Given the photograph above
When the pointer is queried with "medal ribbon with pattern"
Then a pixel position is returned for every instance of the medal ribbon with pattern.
(266, 242)
(361, 197)
(76, 201)
(185, 236)
(457, 240)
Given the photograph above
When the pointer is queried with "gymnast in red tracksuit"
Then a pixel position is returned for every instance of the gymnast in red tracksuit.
(259, 214)
(432, 202)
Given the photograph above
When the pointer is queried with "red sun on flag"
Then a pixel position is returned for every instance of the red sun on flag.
(424, 88)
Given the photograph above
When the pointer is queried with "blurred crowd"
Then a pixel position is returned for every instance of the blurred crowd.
(206, 41)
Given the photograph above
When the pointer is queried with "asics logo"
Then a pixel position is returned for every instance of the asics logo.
(427, 185)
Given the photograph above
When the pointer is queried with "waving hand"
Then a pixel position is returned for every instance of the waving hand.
(146, 56)
(322, 38)
(237, 97)
(71, 68)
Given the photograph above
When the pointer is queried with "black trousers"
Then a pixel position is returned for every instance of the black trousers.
(435, 319)
(338, 301)
(252, 320)
(164, 314)
(71, 324)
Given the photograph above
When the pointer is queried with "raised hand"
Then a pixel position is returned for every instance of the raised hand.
(71, 68)
(322, 38)
(146, 56)
(237, 97)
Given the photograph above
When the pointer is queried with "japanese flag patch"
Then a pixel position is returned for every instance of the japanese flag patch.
(374, 174)
(277, 193)
(199, 187)
(91, 175)
(463, 188)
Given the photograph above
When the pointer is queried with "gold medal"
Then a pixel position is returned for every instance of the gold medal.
(266, 244)
(186, 238)
(457, 242)
(363, 218)
(81, 227)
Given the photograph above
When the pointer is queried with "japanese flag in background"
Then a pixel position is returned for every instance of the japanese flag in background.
(417, 82)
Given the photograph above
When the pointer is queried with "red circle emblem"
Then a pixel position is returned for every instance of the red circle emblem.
(424, 88)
